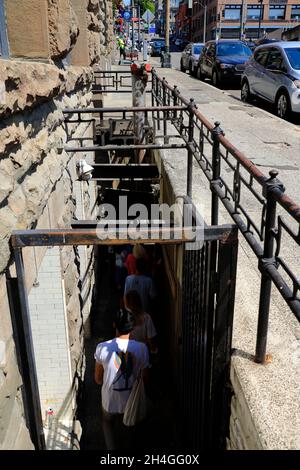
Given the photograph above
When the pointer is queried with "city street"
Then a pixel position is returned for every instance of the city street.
(232, 89)
(268, 141)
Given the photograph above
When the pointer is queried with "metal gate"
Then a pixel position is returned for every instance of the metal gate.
(207, 317)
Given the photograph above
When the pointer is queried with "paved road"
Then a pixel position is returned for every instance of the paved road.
(233, 90)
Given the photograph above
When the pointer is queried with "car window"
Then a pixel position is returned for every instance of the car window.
(211, 48)
(197, 50)
(275, 60)
(233, 49)
(260, 56)
(293, 55)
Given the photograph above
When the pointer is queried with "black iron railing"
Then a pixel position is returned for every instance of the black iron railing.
(251, 198)
(113, 81)
(257, 203)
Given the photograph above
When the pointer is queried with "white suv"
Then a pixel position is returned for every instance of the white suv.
(273, 73)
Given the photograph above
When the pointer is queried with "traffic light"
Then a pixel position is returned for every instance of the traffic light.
(218, 17)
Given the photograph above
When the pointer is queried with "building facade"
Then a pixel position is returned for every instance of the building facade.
(160, 15)
(48, 51)
(182, 20)
(249, 19)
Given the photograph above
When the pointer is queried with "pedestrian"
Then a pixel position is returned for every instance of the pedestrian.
(121, 271)
(121, 45)
(137, 253)
(143, 284)
(144, 329)
(119, 362)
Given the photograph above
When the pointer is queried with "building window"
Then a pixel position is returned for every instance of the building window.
(253, 12)
(214, 14)
(232, 12)
(295, 14)
(4, 52)
(276, 12)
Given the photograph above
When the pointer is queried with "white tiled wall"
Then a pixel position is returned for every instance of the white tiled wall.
(50, 340)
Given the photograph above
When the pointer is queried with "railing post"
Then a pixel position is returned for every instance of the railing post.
(139, 83)
(268, 257)
(216, 170)
(165, 123)
(157, 102)
(175, 99)
(190, 148)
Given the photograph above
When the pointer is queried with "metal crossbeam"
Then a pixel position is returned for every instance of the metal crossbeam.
(121, 171)
(94, 148)
(161, 235)
(123, 109)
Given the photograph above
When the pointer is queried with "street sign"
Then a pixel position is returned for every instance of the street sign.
(152, 29)
(148, 16)
(127, 15)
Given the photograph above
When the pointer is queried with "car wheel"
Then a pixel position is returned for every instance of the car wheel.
(246, 96)
(283, 105)
(191, 69)
(199, 73)
(215, 79)
(181, 66)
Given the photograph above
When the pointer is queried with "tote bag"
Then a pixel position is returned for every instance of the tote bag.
(136, 406)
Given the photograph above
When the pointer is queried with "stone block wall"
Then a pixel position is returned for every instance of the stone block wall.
(38, 189)
(243, 433)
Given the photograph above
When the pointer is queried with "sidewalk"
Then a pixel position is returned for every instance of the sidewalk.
(268, 141)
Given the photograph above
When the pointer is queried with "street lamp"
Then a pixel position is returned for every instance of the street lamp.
(166, 56)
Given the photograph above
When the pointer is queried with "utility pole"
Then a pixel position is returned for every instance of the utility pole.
(139, 24)
(243, 19)
(204, 22)
(165, 56)
(190, 14)
(132, 35)
(260, 17)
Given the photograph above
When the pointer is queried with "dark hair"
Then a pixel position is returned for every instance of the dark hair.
(141, 265)
(124, 321)
(133, 301)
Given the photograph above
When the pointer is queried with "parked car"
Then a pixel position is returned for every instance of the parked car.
(251, 44)
(183, 44)
(190, 56)
(273, 73)
(222, 60)
(178, 42)
(158, 47)
(261, 41)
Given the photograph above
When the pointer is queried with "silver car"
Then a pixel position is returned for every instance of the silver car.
(273, 73)
(190, 56)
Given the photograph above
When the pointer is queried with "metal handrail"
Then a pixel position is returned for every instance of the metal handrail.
(271, 225)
